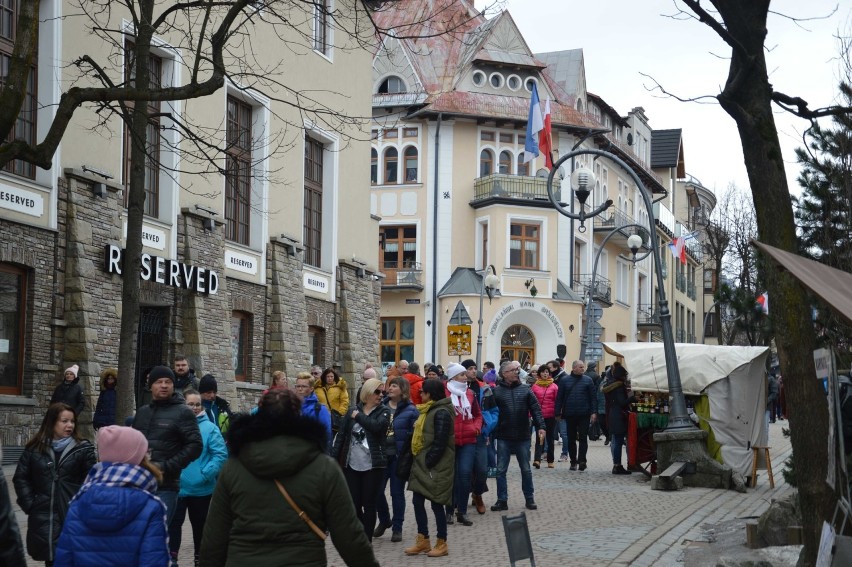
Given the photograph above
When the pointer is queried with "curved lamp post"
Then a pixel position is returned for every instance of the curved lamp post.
(583, 180)
(634, 242)
(490, 280)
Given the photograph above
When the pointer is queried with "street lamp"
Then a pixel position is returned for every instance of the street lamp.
(583, 180)
(490, 280)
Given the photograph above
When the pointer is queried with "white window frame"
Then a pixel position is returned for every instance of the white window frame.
(329, 32)
(622, 282)
(542, 240)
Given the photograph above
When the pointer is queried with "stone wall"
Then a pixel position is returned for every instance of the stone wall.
(359, 302)
(251, 298)
(286, 335)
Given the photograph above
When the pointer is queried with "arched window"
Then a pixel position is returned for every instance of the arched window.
(505, 162)
(391, 157)
(518, 343)
(580, 105)
(374, 166)
(523, 168)
(392, 85)
(410, 164)
(486, 163)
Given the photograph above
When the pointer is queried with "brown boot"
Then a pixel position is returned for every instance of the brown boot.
(421, 545)
(480, 505)
(440, 549)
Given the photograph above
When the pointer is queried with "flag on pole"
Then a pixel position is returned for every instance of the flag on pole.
(763, 302)
(678, 249)
(534, 126)
(545, 139)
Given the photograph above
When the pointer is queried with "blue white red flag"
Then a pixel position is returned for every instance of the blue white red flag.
(534, 125)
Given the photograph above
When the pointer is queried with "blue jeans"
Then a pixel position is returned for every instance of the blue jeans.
(480, 467)
(465, 456)
(617, 444)
(563, 434)
(397, 488)
(419, 503)
(521, 450)
(169, 498)
(492, 452)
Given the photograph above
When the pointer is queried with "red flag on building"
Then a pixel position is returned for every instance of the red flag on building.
(545, 138)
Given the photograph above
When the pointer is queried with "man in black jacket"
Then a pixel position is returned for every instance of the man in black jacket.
(184, 375)
(516, 403)
(172, 432)
(577, 405)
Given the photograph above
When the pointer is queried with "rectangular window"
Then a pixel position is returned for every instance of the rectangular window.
(313, 202)
(409, 132)
(399, 249)
(397, 340)
(152, 135)
(578, 260)
(238, 172)
(486, 136)
(507, 138)
(321, 31)
(523, 246)
(316, 340)
(391, 134)
(13, 310)
(374, 134)
(709, 281)
(241, 345)
(25, 125)
(622, 284)
(484, 246)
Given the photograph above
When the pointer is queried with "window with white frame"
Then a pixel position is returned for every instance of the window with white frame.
(524, 245)
(25, 125)
(238, 178)
(622, 283)
(322, 27)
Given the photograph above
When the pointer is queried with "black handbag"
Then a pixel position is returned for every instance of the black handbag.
(595, 431)
(336, 420)
(404, 461)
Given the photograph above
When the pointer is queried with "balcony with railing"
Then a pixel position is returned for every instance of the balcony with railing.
(403, 276)
(680, 282)
(647, 317)
(518, 189)
(680, 336)
(602, 292)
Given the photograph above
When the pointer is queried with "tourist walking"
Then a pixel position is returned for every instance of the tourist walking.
(105, 408)
(332, 392)
(577, 406)
(545, 392)
(618, 400)
(485, 398)
(69, 391)
(467, 425)
(11, 545)
(218, 409)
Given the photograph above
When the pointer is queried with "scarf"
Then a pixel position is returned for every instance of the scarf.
(119, 474)
(544, 383)
(417, 436)
(461, 404)
(59, 445)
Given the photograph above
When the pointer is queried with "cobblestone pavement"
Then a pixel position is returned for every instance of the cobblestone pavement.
(584, 519)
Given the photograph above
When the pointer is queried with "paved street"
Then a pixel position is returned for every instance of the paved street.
(587, 519)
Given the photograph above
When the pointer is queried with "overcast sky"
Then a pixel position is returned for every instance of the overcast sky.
(623, 38)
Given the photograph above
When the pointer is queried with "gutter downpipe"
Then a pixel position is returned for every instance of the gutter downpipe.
(435, 239)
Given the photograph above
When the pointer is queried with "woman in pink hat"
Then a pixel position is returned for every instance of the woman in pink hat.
(69, 390)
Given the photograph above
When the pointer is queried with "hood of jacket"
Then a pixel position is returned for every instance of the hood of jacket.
(106, 374)
(109, 509)
(275, 446)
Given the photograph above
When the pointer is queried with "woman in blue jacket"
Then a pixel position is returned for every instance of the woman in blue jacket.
(198, 480)
(115, 520)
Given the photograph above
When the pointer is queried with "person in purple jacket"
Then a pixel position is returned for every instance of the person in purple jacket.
(115, 520)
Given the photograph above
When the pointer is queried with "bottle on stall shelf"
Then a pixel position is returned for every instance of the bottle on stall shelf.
(666, 405)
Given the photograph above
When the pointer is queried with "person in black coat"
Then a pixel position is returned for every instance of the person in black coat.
(172, 432)
(105, 408)
(11, 546)
(51, 469)
(69, 391)
(616, 390)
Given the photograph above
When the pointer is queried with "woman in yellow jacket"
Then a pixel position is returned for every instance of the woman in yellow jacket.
(332, 393)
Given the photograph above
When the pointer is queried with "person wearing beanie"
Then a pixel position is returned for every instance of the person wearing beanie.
(115, 520)
(69, 391)
(218, 409)
(105, 408)
(172, 433)
(467, 427)
(485, 397)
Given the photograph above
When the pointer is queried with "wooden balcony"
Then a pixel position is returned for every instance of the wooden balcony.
(402, 276)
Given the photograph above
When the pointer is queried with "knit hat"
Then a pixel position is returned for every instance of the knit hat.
(490, 377)
(160, 372)
(454, 370)
(207, 384)
(74, 369)
(117, 444)
(468, 363)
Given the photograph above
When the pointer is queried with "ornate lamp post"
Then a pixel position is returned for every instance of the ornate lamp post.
(490, 280)
(583, 180)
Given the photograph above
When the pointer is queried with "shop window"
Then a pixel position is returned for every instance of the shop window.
(241, 345)
(238, 172)
(13, 310)
(312, 238)
(374, 166)
(25, 125)
(524, 246)
(391, 165)
(505, 162)
(316, 345)
(486, 163)
(411, 164)
(397, 340)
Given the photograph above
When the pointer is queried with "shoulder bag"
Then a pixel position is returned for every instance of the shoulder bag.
(299, 511)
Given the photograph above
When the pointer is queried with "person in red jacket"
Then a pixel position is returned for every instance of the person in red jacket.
(415, 380)
(545, 391)
(468, 424)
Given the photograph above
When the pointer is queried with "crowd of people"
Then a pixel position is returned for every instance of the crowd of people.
(305, 462)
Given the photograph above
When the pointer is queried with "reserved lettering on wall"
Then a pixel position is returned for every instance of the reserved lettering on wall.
(22, 201)
(165, 271)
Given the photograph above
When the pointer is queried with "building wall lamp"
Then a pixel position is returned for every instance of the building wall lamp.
(530, 285)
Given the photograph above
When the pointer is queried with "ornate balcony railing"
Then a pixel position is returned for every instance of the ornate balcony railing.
(602, 292)
(505, 186)
(407, 275)
(647, 316)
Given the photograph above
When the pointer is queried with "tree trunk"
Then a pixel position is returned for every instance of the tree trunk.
(125, 397)
(747, 98)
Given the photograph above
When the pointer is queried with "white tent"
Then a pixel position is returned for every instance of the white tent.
(733, 378)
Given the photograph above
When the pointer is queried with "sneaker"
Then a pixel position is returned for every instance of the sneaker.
(573, 466)
(583, 466)
(531, 505)
(563, 459)
(499, 506)
(396, 537)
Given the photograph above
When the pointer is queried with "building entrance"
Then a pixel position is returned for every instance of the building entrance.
(518, 343)
(150, 348)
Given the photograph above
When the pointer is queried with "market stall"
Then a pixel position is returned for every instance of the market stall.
(725, 384)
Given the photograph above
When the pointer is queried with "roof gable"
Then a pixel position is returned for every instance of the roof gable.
(392, 59)
(667, 150)
(501, 42)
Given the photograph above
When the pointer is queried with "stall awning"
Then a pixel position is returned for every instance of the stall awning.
(829, 284)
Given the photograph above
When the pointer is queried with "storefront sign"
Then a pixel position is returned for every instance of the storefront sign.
(22, 201)
(151, 237)
(314, 282)
(241, 262)
(165, 271)
(526, 304)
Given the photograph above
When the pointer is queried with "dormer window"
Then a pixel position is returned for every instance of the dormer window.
(392, 85)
